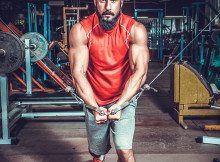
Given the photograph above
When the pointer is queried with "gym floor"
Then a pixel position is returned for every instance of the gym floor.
(158, 138)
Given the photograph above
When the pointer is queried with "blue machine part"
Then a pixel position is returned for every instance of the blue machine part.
(30, 8)
(181, 47)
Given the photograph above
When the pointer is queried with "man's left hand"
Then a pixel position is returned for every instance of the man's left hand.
(116, 116)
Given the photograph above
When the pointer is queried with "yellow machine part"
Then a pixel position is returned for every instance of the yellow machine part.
(188, 88)
(190, 93)
(212, 127)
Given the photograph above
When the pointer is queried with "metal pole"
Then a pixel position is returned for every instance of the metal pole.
(49, 32)
(135, 6)
(4, 104)
(29, 16)
(202, 50)
(187, 19)
(28, 66)
(181, 48)
(196, 31)
(51, 114)
(218, 4)
(161, 35)
(35, 18)
(45, 21)
(45, 29)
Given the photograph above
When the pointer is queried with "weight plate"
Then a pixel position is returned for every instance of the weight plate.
(40, 45)
(62, 56)
(11, 52)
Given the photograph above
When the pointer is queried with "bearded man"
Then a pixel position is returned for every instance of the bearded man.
(109, 62)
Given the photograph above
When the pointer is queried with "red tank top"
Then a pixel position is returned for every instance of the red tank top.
(109, 66)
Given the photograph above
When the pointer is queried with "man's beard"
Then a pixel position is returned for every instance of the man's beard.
(107, 24)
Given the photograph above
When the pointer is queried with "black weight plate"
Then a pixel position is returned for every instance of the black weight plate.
(13, 52)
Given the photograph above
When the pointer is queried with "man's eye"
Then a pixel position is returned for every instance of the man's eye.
(113, 1)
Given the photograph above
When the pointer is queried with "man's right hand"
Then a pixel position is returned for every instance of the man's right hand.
(100, 119)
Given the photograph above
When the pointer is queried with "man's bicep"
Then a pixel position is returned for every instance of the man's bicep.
(140, 58)
(79, 59)
(139, 52)
(78, 53)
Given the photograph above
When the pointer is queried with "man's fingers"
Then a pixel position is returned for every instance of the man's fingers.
(101, 121)
(109, 112)
(114, 117)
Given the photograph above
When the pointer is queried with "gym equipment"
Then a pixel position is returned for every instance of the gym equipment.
(158, 75)
(171, 55)
(38, 45)
(32, 15)
(36, 89)
(191, 93)
(209, 140)
(11, 52)
(4, 28)
(11, 111)
(32, 10)
(197, 16)
(157, 33)
(61, 56)
(212, 127)
(187, 23)
(101, 112)
(75, 12)
(59, 72)
(41, 64)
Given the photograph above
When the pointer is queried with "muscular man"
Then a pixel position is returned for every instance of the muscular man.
(109, 62)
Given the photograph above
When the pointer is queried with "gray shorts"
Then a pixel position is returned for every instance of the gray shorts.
(122, 131)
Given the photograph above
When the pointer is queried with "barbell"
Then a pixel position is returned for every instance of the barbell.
(12, 50)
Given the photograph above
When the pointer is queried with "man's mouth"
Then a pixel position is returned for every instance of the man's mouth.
(108, 13)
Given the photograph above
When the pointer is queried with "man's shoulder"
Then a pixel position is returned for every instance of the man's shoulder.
(77, 33)
(139, 26)
(138, 31)
(126, 18)
(89, 22)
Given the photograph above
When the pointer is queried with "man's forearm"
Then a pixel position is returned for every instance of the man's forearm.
(84, 89)
(132, 86)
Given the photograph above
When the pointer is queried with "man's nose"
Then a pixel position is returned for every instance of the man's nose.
(108, 5)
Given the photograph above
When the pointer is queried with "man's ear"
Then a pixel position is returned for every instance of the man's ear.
(122, 2)
(95, 3)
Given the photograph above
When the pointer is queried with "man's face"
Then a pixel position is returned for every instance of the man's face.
(108, 9)
(108, 12)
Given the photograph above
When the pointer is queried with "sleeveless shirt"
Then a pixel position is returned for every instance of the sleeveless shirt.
(109, 66)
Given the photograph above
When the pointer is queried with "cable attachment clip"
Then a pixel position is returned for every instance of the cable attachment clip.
(148, 87)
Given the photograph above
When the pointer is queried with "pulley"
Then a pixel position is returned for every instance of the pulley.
(38, 45)
(11, 52)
